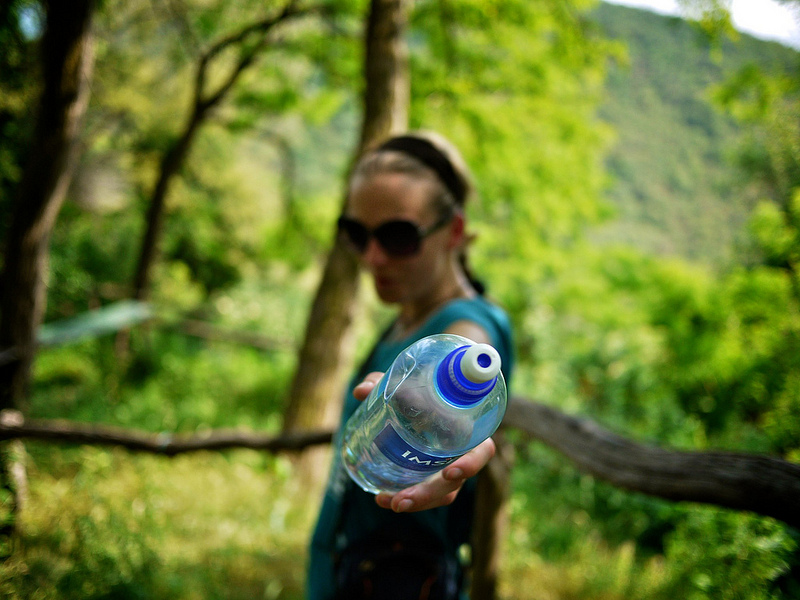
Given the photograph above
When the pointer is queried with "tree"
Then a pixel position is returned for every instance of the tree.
(19, 66)
(67, 59)
(248, 43)
(327, 347)
(768, 104)
(67, 56)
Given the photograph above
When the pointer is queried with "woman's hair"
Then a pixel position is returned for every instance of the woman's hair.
(422, 154)
(425, 155)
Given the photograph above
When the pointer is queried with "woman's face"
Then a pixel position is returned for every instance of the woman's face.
(397, 196)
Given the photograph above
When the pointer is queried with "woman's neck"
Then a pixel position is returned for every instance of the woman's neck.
(413, 315)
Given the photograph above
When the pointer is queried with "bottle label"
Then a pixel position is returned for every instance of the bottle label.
(403, 454)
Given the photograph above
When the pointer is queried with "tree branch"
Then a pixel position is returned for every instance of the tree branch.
(260, 28)
(761, 484)
(12, 426)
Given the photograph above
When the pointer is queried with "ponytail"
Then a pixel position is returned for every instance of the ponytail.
(476, 283)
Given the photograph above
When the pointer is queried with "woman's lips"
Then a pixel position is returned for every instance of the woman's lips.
(383, 281)
(386, 282)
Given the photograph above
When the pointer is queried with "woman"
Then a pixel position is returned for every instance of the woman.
(404, 217)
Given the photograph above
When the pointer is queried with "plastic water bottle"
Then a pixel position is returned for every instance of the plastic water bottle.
(442, 396)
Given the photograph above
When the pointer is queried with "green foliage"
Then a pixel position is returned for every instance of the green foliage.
(517, 98)
(769, 103)
(665, 346)
(90, 257)
(737, 557)
(241, 194)
(18, 62)
(169, 382)
(193, 527)
(776, 235)
(611, 544)
(682, 354)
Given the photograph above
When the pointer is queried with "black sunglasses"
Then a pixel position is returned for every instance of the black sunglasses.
(397, 238)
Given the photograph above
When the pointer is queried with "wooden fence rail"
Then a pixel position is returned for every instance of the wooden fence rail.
(12, 426)
(761, 484)
(752, 482)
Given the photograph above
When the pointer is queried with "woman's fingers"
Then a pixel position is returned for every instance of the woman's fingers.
(440, 489)
(471, 463)
(362, 390)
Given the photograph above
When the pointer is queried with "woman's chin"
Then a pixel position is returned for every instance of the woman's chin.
(387, 292)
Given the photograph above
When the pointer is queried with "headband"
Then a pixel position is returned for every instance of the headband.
(433, 158)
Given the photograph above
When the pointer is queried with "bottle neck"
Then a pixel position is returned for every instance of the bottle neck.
(456, 386)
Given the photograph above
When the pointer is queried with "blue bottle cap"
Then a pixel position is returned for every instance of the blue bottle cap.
(468, 373)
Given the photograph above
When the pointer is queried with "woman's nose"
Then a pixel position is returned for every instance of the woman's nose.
(374, 254)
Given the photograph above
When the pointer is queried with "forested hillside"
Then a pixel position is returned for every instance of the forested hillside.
(676, 183)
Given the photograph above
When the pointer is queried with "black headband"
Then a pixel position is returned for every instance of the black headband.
(431, 157)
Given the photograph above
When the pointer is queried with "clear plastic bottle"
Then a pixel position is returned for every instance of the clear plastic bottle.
(442, 396)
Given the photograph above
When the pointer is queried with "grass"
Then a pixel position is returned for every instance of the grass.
(108, 524)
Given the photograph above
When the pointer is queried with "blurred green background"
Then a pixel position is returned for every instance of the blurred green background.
(638, 215)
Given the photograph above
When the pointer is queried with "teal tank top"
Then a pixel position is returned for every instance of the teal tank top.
(350, 515)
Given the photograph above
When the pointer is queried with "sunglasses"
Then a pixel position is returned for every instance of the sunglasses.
(397, 238)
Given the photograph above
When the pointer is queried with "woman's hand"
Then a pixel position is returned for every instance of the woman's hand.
(439, 489)
(362, 390)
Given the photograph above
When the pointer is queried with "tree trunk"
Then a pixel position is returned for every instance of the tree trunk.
(325, 357)
(387, 86)
(68, 59)
(170, 166)
(491, 521)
